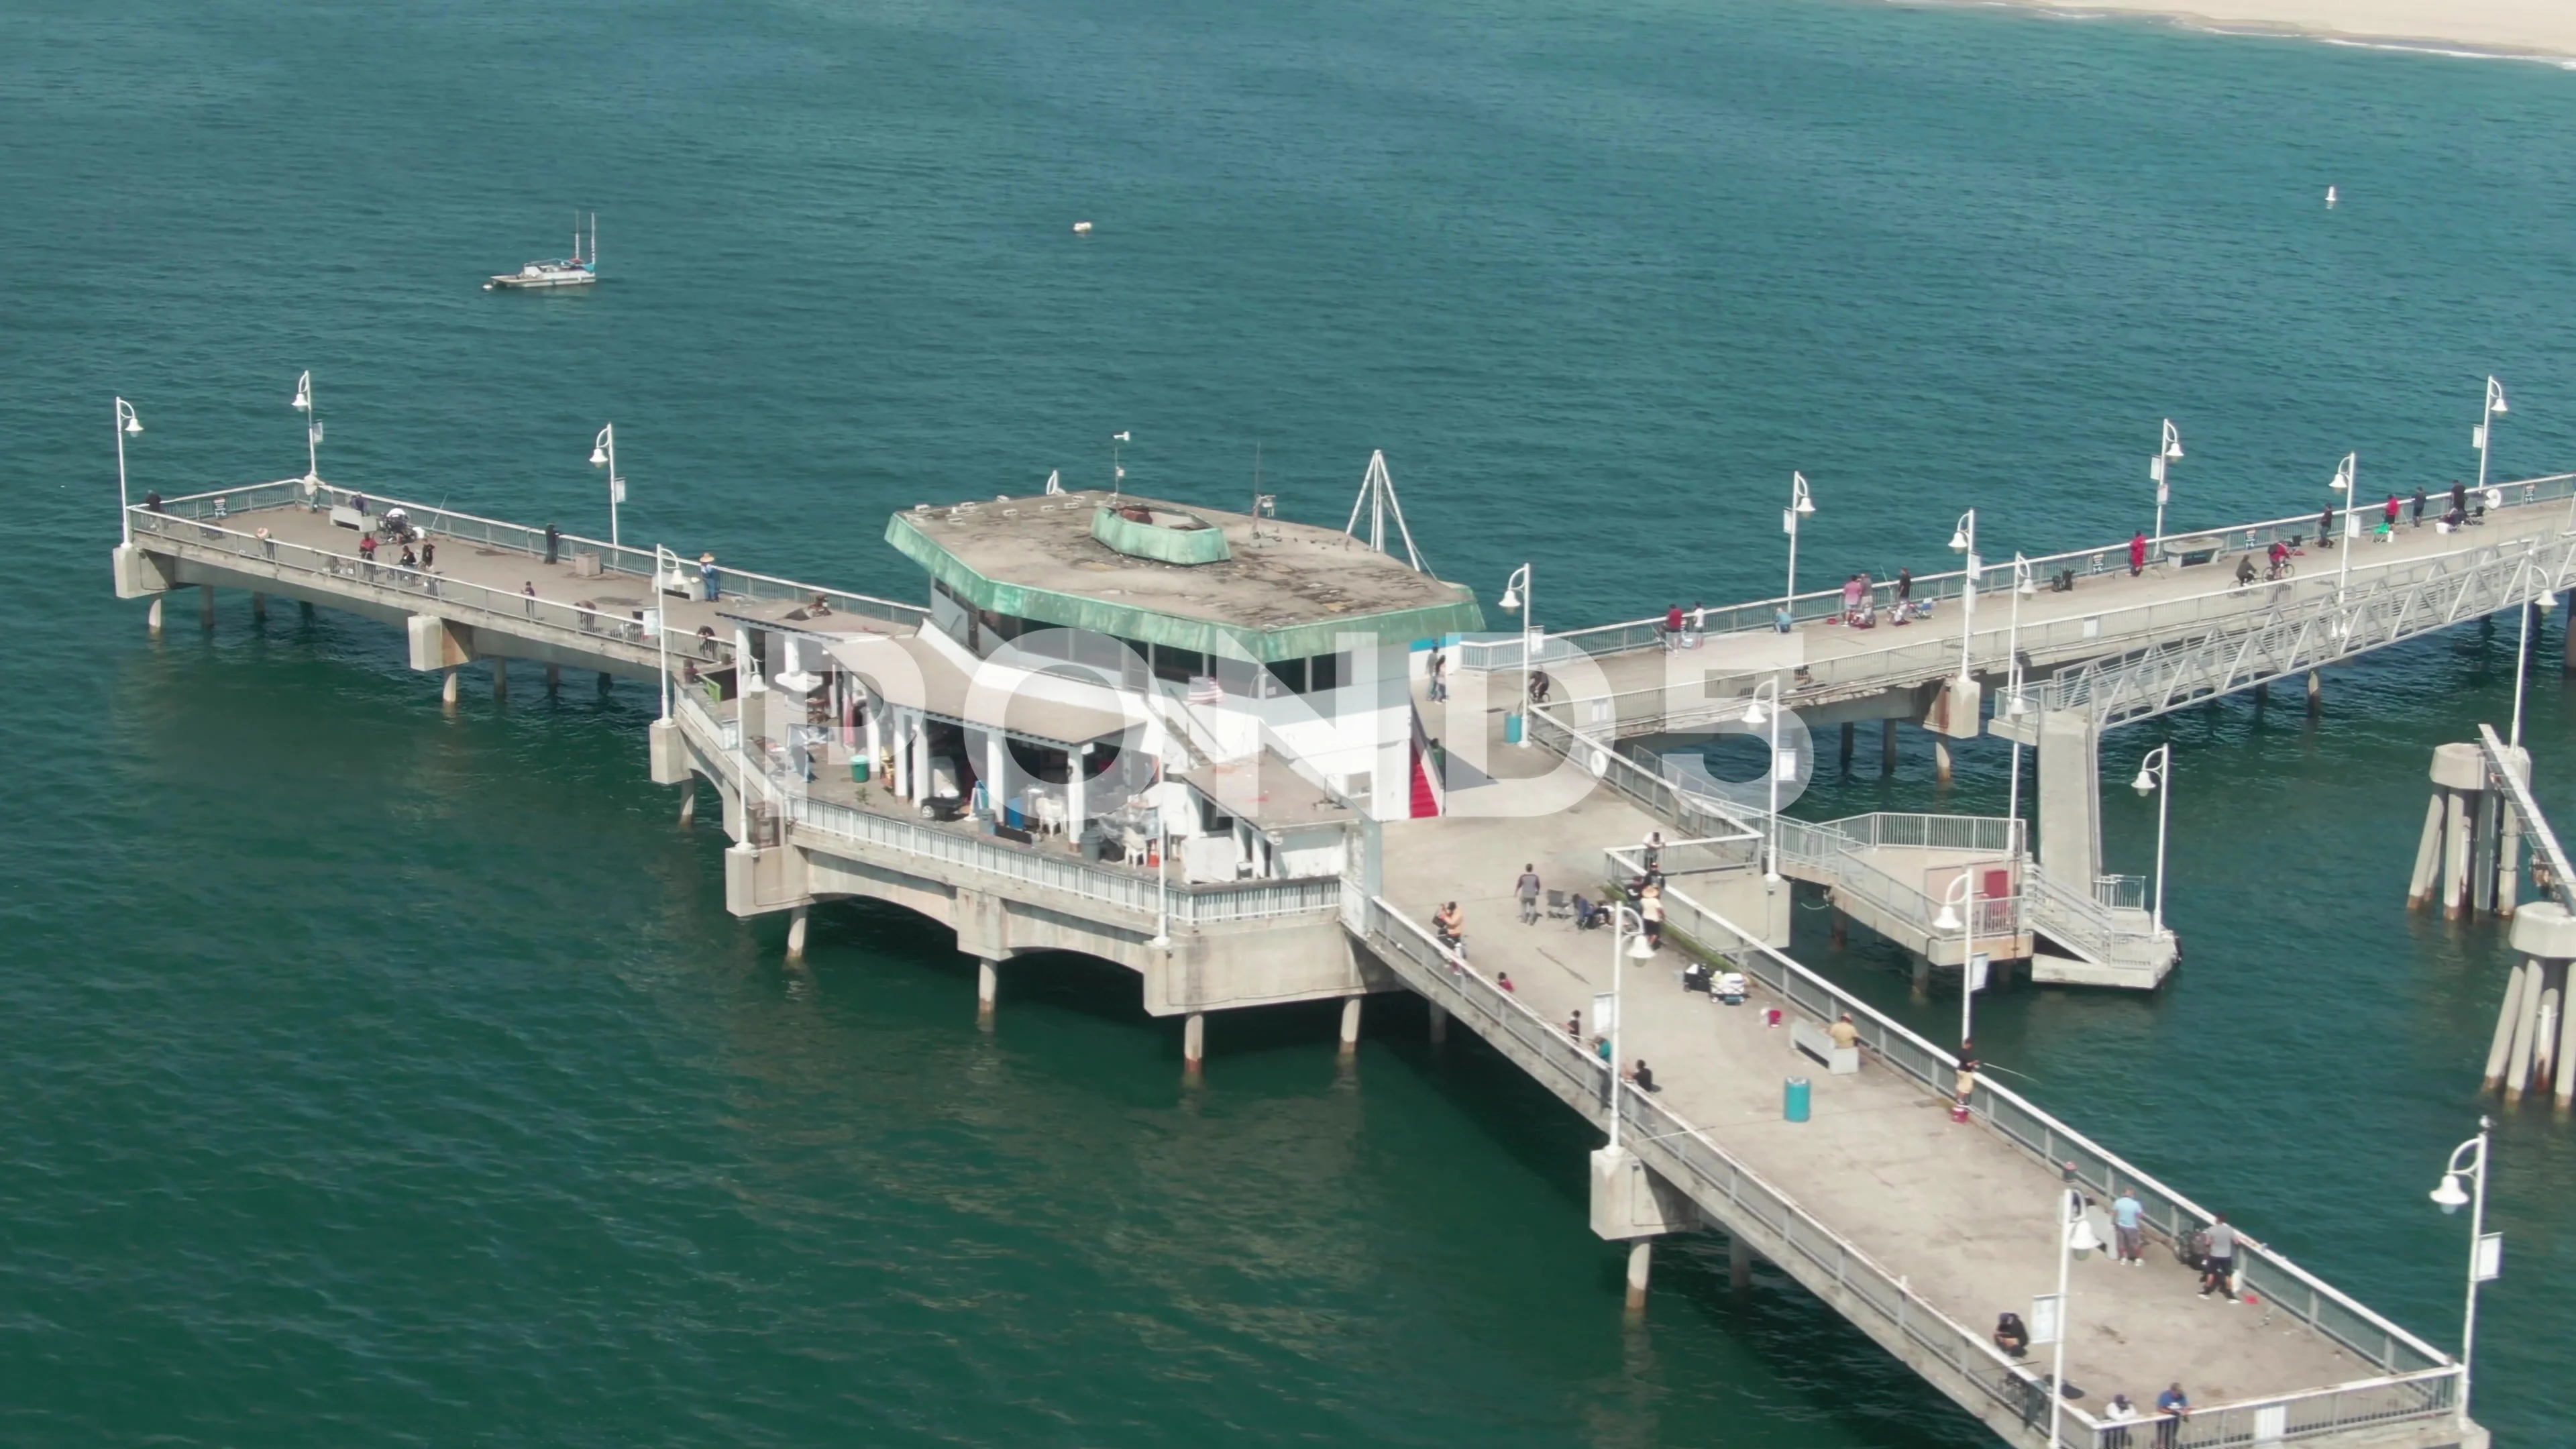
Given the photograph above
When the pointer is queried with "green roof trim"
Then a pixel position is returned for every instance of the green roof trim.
(1397, 627)
(1159, 541)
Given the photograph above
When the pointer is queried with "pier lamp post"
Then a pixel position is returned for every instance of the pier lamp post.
(2075, 1238)
(2522, 653)
(2484, 433)
(1800, 505)
(2346, 481)
(1639, 949)
(312, 428)
(2486, 1250)
(1757, 716)
(1963, 541)
(2155, 776)
(2013, 705)
(1959, 913)
(665, 564)
(603, 454)
(126, 422)
(2167, 452)
(1519, 596)
(1118, 470)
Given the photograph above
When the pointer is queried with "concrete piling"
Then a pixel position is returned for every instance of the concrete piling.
(2566, 1060)
(1887, 747)
(2316, 692)
(988, 990)
(607, 682)
(1350, 1025)
(1941, 760)
(152, 620)
(1841, 929)
(2469, 856)
(2530, 1051)
(447, 687)
(1848, 730)
(2499, 1050)
(1739, 1265)
(796, 933)
(500, 679)
(1439, 1025)
(688, 805)
(2525, 1011)
(1641, 1265)
(1193, 1043)
(206, 605)
(554, 678)
(259, 608)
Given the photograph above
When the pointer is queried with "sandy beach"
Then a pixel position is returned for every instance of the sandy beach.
(2539, 26)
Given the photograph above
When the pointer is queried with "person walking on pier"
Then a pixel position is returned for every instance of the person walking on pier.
(2392, 507)
(2325, 526)
(2129, 1228)
(708, 576)
(1437, 670)
(2419, 505)
(428, 553)
(2138, 554)
(1650, 906)
(1527, 887)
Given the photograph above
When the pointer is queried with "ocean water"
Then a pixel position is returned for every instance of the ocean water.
(374, 1075)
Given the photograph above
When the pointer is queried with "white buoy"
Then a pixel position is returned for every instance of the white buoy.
(2330, 196)
(1082, 228)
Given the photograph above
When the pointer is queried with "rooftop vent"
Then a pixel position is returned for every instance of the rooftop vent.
(1164, 535)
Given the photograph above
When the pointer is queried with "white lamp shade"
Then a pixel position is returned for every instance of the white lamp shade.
(1807, 505)
(2544, 603)
(2448, 1197)
(598, 456)
(1755, 714)
(2082, 1240)
(1510, 601)
(133, 424)
(1959, 540)
(1948, 920)
(1640, 949)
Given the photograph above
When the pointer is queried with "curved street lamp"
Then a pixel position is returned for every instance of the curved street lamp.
(603, 454)
(312, 427)
(126, 422)
(1963, 540)
(2346, 481)
(2075, 1239)
(2483, 434)
(2486, 1250)
(1756, 716)
(1518, 598)
(1639, 949)
(1800, 505)
(2014, 705)
(1963, 892)
(2155, 777)
(2167, 451)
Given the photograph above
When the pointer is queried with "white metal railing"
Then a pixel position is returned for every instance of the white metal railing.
(1758, 615)
(416, 591)
(230, 504)
(1134, 892)
(2562, 879)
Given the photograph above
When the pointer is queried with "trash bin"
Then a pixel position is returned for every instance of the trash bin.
(1512, 729)
(858, 769)
(1793, 1099)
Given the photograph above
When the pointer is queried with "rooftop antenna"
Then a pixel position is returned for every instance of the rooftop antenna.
(1377, 495)
(1055, 482)
(1117, 470)
(1263, 504)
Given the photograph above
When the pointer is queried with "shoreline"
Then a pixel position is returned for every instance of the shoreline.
(2528, 30)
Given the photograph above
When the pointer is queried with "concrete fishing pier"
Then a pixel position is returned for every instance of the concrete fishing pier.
(1202, 745)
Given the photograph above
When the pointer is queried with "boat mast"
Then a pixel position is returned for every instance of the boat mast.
(594, 241)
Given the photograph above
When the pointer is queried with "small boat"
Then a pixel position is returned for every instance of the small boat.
(576, 270)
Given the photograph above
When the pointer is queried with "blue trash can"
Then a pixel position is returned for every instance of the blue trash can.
(1793, 1099)
(1511, 729)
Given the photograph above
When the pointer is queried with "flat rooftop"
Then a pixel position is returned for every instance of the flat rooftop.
(1285, 592)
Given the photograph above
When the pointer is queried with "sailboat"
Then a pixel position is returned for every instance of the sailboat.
(576, 270)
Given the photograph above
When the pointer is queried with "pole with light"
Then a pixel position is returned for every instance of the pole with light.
(2168, 451)
(126, 422)
(1757, 716)
(1639, 949)
(1962, 892)
(312, 428)
(2346, 481)
(1799, 507)
(1519, 597)
(2075, 1239)
(2486, 1250)
(2484, 433)
(665, 564)
(603, 454)
(2014, 706)
(2155, 776)
(1963, 541)
(1118, 470)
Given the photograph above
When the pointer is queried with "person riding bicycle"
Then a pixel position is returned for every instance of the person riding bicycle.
(2280, 559)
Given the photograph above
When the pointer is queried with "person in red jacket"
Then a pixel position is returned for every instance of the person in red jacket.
(2138, 554)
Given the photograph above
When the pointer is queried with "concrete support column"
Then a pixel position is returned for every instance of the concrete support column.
(206, 605)
(2526, 1028)
(447, 686)
(689, 804)
(1439, 1024)
(500, 679)
(2455, 854)
(1194, 1043)
(1350, 1025)
(796, 933)
(305, 606)
(259, 608)
(2499, 1051)
(152, 619)
(1887, 747)
(1641, 1264)
(607, 682)
(554, 678)
(1739, 1265)
(1077, 793)
(1841, 929)
(2316, 692)
(1941, 759)
(988, 988)
(1848, 730)
(2428, 856)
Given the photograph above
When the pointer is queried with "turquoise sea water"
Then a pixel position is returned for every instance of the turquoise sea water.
(377, 1076)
